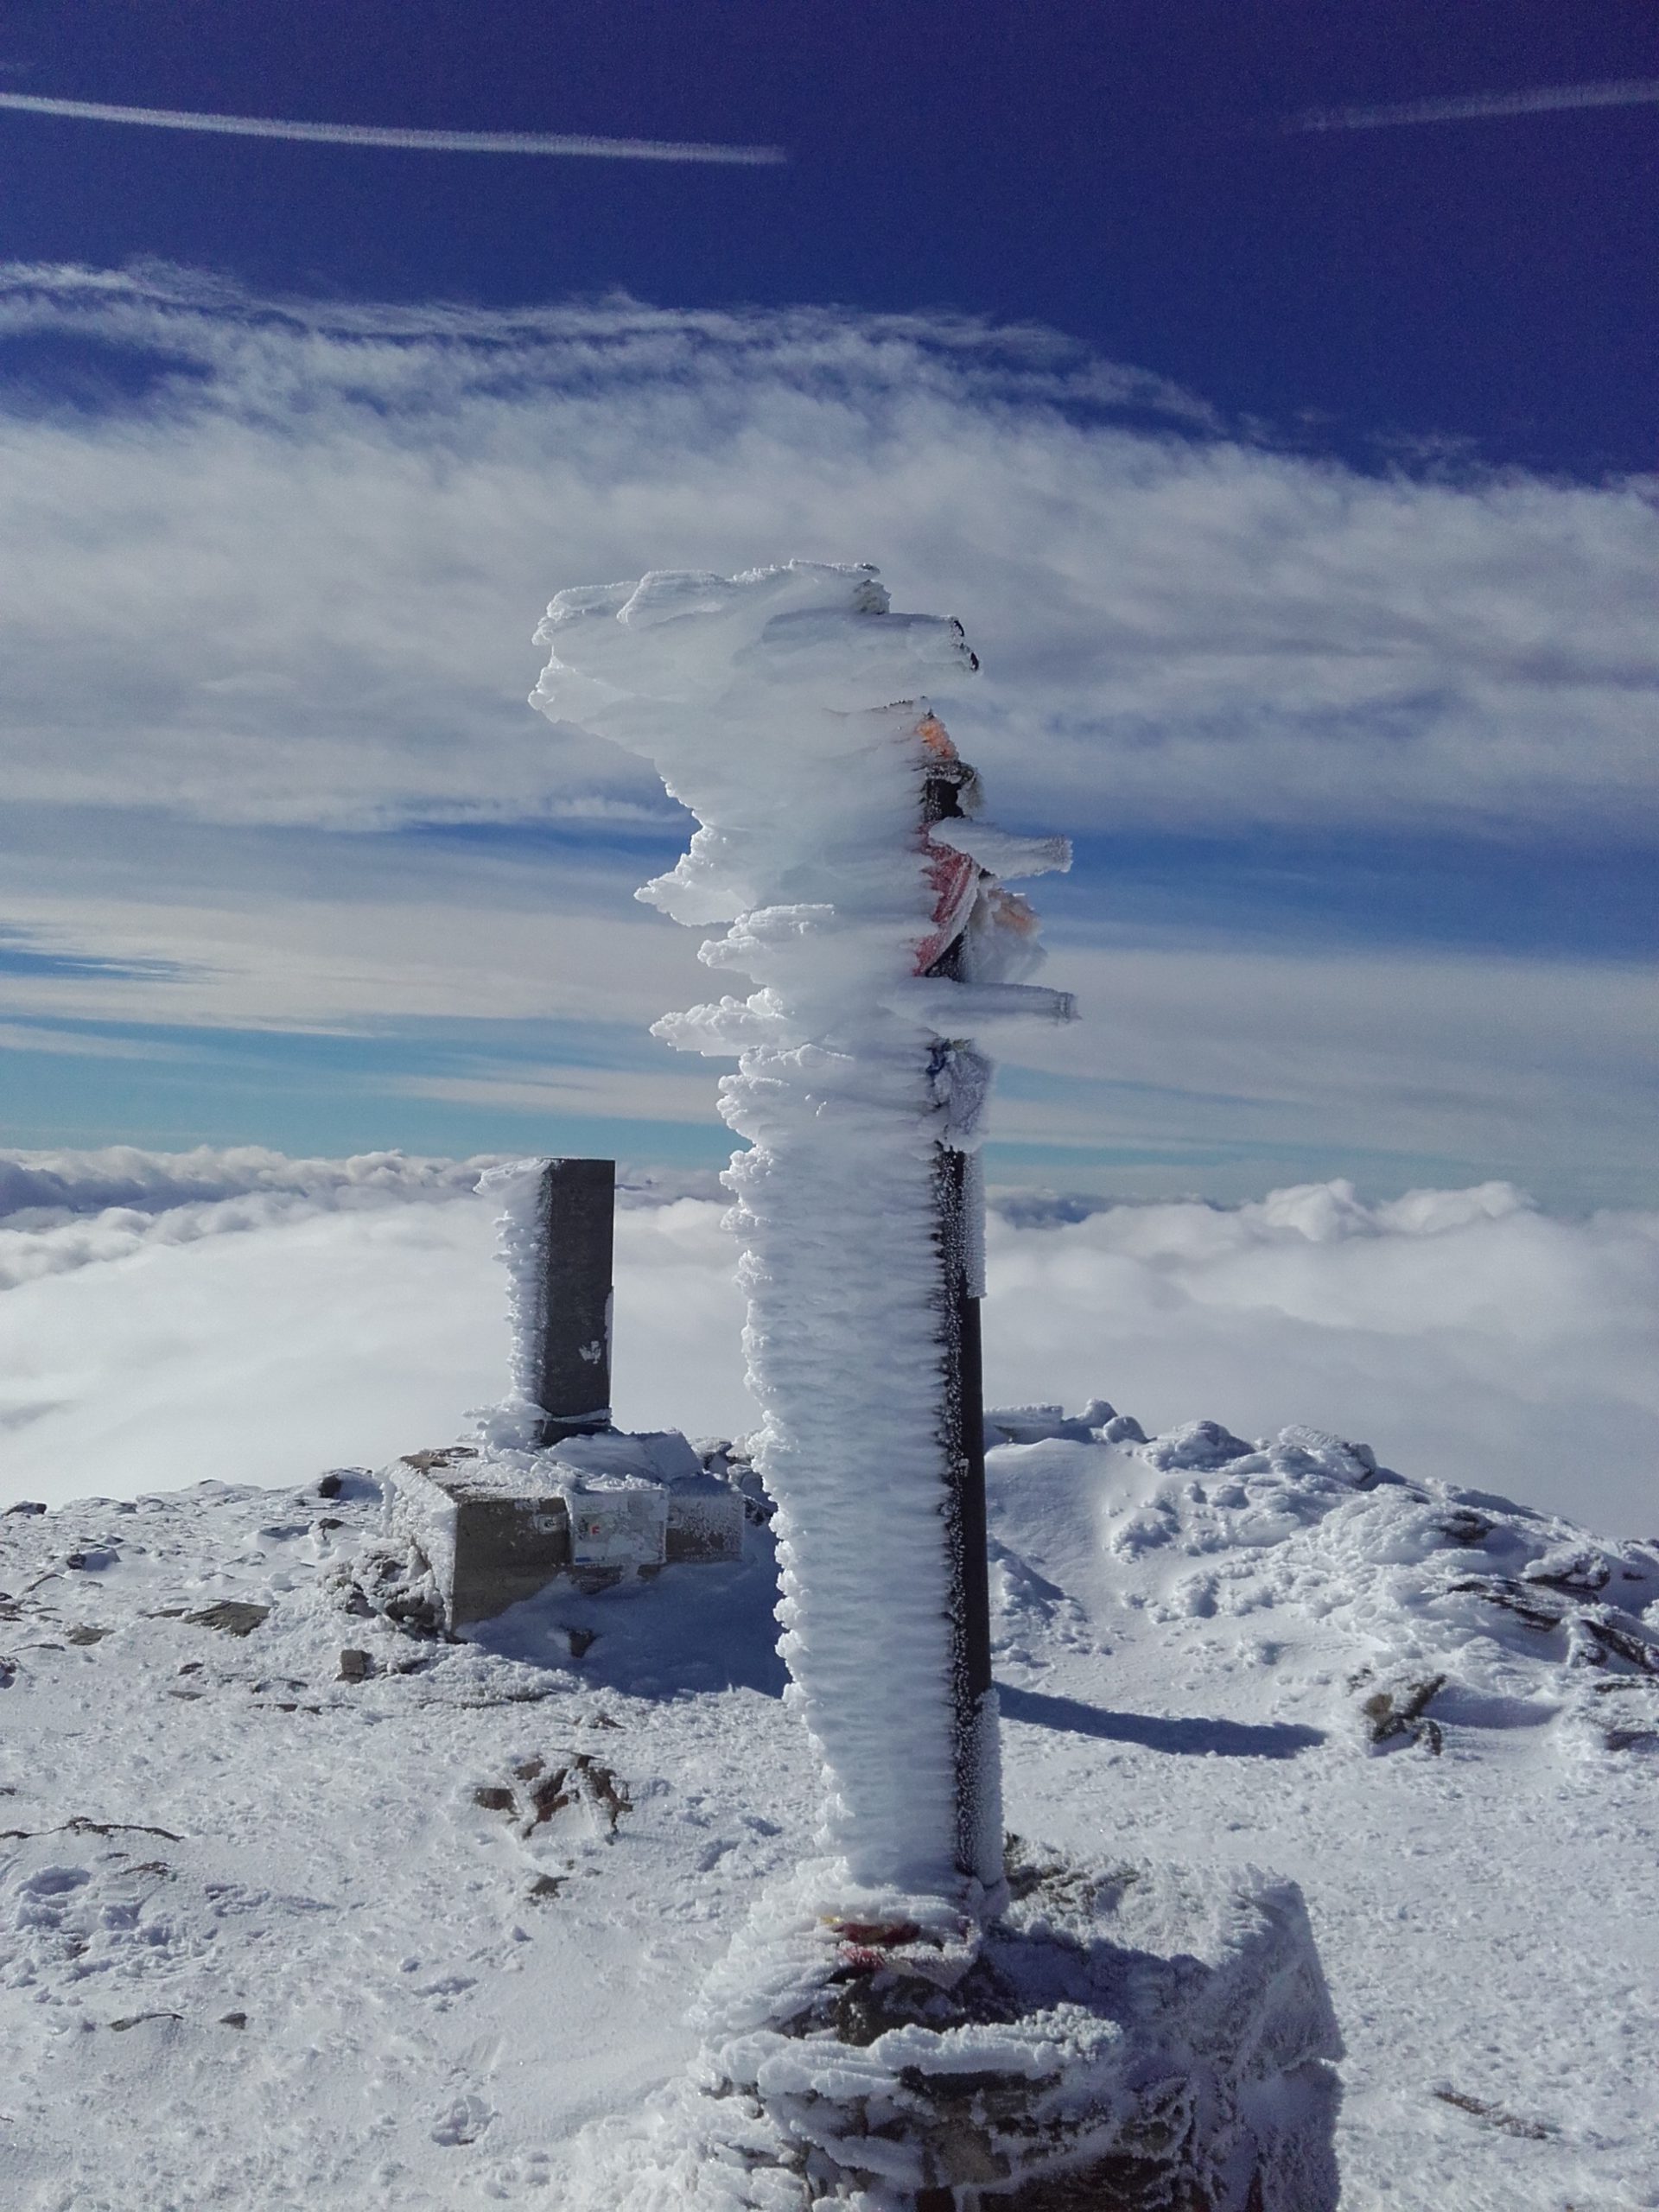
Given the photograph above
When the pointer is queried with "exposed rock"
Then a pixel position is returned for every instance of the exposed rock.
(1466, 1529)
(584, 1782)
(232, 1616)
(1403, 1712)
(540, 1792)
(1510, 2123)
(394, 1584)
(79, 1825)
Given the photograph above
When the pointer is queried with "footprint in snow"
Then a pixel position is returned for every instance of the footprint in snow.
(464, 2121)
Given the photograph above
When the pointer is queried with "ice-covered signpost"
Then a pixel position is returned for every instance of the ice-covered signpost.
(888, 2031)
(840, 843)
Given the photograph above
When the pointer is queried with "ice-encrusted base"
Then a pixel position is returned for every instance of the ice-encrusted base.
(1127, 2039)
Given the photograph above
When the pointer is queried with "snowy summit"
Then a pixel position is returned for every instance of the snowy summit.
(289, 1926)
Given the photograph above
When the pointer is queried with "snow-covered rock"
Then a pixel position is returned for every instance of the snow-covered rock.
(1465, 1606)
(1138, 2036)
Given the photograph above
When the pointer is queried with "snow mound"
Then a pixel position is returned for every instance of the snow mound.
(1441, 1605)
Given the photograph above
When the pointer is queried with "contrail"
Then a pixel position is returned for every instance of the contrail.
(1635, 91)
(425, 142)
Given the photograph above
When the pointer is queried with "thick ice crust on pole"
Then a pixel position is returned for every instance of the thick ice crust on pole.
(515, 1424)
(1129, 2037)
(766, 702)
(553, 1236)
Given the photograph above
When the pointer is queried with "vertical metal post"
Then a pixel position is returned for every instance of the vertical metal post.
(577, 1210)
(979, 1825)
(979, 1853)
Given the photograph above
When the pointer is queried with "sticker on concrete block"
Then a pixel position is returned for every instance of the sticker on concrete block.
(618, 1528)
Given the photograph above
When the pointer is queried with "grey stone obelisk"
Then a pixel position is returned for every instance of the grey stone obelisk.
(577, 1203)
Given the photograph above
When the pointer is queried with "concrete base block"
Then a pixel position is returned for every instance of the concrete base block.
(498, 1530)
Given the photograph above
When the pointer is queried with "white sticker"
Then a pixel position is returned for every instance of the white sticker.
(618, 1528)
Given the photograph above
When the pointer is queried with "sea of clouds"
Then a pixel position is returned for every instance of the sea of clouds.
(241, 1317)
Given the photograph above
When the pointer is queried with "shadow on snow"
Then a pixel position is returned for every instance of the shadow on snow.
(1228, 1739)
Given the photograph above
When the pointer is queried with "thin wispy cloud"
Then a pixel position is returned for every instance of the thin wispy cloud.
(1473, 107)
(73, 1044)
(419, 141)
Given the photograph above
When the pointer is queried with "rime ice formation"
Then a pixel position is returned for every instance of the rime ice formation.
(1125, 2036)
(515, 1424)
(913, 2015)
(766, 703)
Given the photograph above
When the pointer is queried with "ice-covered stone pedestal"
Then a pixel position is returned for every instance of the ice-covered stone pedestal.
(1121, 2038)
(498, 1526)
(550, 1488)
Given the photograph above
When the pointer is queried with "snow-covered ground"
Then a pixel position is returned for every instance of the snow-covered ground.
(273, 1935)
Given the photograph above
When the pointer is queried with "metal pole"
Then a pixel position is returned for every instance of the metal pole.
(576, 1212)
(978, 1852)
(960, 1199)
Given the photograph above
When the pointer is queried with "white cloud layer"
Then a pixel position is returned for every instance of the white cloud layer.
(285, 592)
(63, 1210)
(1275, 1055)
(296, 582)
(249, 1318)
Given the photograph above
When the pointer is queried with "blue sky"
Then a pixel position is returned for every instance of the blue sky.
(1112, 171)
(1295, 486)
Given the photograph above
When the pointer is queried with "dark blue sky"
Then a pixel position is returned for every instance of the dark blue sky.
(1111, 170)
